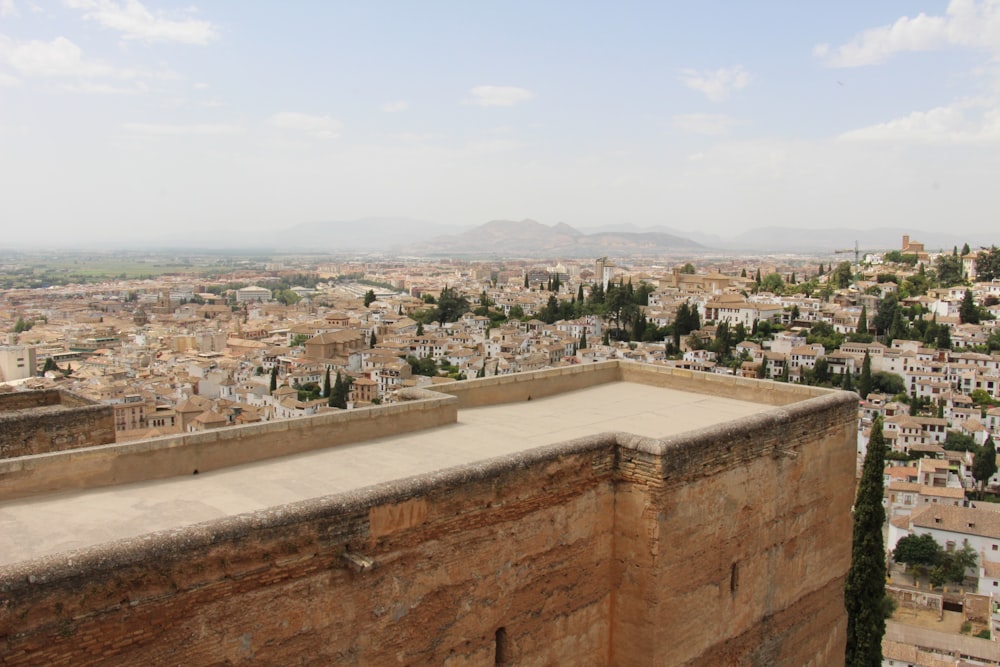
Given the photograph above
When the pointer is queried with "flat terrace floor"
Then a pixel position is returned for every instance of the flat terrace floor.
(50, 524)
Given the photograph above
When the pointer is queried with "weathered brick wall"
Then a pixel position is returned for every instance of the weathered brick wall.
(40, 422)
(726, 546)
(170, 456)
(751, 528)
(503, 545)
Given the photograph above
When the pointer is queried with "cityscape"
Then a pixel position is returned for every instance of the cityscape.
(182, 346)
(500, 333)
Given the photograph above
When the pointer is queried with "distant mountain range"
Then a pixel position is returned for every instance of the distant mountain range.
(529, 238)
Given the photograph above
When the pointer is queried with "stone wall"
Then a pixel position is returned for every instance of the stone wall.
(725, 546)
(40, 422)
(169, 456)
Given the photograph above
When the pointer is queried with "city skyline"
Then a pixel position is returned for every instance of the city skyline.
(134, 120)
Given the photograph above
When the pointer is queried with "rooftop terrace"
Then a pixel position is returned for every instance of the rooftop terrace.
(53, 522)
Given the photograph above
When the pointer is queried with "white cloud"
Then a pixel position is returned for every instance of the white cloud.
(957, 123)
(323, 127)
(8, 9)
(8, 80)
(716, 85)
(711, 124)
(966, 23)
(184, 130)
(200, 86)
(395, 107)
(134, 21)
(498, 96)
(58, 58)
(96, 88)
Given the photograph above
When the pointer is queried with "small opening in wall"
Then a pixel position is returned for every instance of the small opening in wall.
(734, 573)
(195, 472)
(501, 656)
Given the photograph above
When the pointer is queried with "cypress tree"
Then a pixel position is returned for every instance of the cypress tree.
(326, 384)
(848, 384)
(865, 383)
(274, 378)
(862, 327)
(583, 340)
(372, 340)
(865, 588)
(967, 312)
(526, 280)
(579, 293)
(338, 397)
(984, 465)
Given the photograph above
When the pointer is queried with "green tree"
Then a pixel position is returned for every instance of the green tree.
(984, 464)
(50, 365)
(949, 270)
(420, 328)
(372, 340)
(341, 390)
(773, 283)
(956, 441)
(842, 275)
(583, 340)
(865, 588)
(887, 308)
(967, 312)
(988, 264)
(866, 383)
(369, 297)
(885, 382)
(862, 327)
(326, 384)
(450, 305)
(688, 269)
(821, 373)
(274, 378)
(943, 340)
(917, 550)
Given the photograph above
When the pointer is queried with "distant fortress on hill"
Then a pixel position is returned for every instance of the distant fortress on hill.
(605, 514)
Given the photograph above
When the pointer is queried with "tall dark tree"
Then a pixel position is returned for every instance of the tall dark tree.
(339, 393)
(988, 264)
(583, 340)
(372, 340)
(369, 297)
(862, 327)
(865, 589)
(943, 337)
(274, 378)
(865, 384)
(450, 305)
(326, 384)
(967, 312)
(984, 464)
(420, 329)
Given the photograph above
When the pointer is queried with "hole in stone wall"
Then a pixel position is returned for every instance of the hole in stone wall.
(734, 577)
(501, 656)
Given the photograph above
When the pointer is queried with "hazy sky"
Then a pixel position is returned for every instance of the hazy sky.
(120, 117)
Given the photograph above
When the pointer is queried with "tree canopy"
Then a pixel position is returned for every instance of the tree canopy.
(864, 592)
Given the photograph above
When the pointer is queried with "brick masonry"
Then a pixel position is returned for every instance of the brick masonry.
(41, 422)
(725, 546)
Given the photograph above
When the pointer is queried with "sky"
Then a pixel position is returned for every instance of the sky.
(122, 119)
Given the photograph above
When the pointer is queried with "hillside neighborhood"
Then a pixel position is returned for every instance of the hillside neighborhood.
(914, 333)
